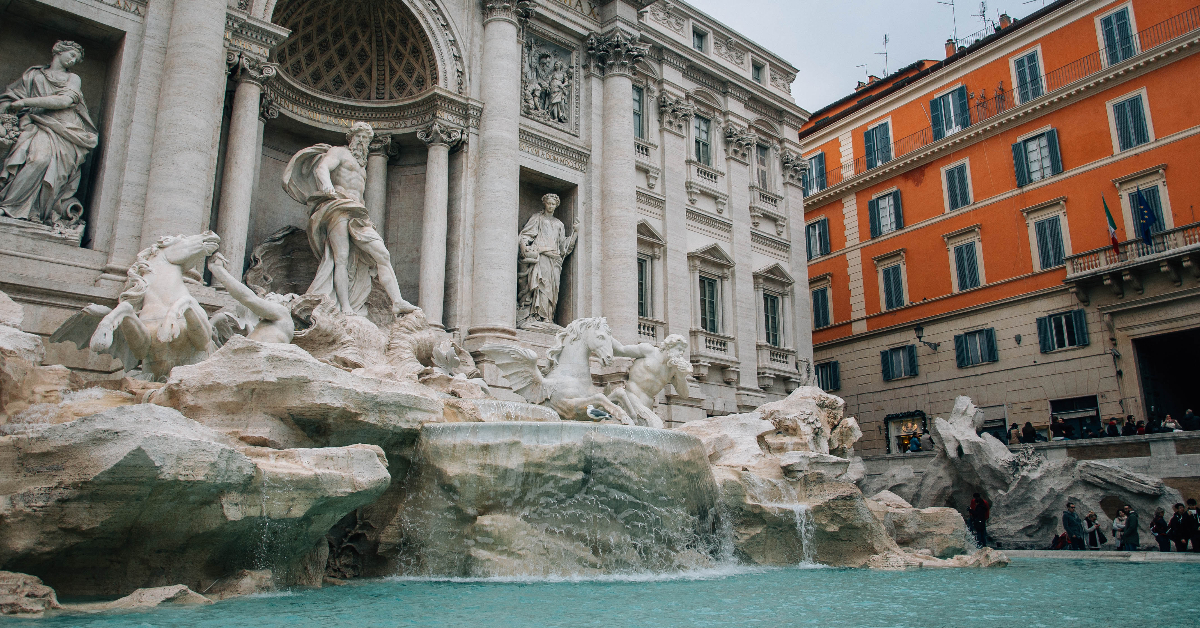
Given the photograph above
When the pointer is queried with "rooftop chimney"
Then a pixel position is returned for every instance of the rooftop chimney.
(1005, 21)
(949, 48)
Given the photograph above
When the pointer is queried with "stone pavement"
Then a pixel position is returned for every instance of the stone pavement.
(1131, 557)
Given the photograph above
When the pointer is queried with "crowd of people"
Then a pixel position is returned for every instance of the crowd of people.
(1085, 533)
(1116, 426)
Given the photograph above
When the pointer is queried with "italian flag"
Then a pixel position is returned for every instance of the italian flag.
(1112, 227)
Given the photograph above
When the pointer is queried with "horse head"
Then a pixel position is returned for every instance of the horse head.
(594, 333)
(188, 251)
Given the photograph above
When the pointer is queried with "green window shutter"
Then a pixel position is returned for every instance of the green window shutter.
(1033, 72)
(886, 358)
(952, 188)
(1125, 138)
(808, 240)
(1054, 231)
(939, 123)
(819, 168)
(1045, 338)
(1056, 165)
(910, 352)
(1137, 115)
(873, 216)
(1019, 164)
(961, 357)
(1022, 79)
(1081, 328)
(835, 376)
(899, 209)
(898, 285)
(883, 142)
(823, 235)
(972, 265)
(869, 141)
(991, 354)
(962, 108)
(1155, 202)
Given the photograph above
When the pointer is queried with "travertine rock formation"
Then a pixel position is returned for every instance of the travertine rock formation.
(22, 594)
(940, 532)
(140, 496)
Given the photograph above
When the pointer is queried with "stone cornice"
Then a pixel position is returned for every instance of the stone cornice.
(252, 36)
(550, 150)
(333, 114)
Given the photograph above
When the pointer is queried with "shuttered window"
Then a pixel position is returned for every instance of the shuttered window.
(762, 162)
(886, 214)
(1037, 158)
(709, 306)
(1130, 118)
(1118, 36)
(643, 267)
(958, 191)
(878, 140)
(829, 376)
(976, 347)
(820, 305)
(893, 287)
(967, 266)
(1049, 242)
(950, 112)
(1153, 204)
(703, 140)
(639, 112)
(1029, 77)
(1063, 330)
(817, 238)
(771, 319)
(814, 175)
(899, 362)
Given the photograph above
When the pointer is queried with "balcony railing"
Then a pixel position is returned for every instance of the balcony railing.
(776, 359)
(712, 347)
(706, 174)
(650, 330)
(984, 107)
(642, 148)
(1131, 252)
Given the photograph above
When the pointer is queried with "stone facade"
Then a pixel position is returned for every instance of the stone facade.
(669, 138)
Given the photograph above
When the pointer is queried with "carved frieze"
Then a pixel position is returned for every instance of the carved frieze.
(550, 82)
(675, 112)
(664, 14)
(782, 80)
(730, 50)
(251, 36)
(615, 52)
(551, 150)
(299, 103)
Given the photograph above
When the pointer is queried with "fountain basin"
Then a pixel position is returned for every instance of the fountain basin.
(555, 499)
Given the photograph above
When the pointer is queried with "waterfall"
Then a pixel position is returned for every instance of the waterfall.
(781, 495)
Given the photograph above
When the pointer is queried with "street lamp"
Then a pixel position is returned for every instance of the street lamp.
(920, 331)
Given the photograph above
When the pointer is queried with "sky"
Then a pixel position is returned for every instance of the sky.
(827, 40)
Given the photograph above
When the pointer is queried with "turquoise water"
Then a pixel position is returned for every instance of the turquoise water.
(1028, 594)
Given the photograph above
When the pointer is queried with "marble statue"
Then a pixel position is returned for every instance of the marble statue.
(567, 387)
(653, 368)
(157, 322)
(331, 180)
(265, 318)
(41, 171)
(543, 245)
(547, 83)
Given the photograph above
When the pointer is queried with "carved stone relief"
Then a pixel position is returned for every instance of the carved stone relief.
(730, 50)
(675, 111)
(549, 83)
(615, 52)
(739, 142)
(664, 13)
(782, 80)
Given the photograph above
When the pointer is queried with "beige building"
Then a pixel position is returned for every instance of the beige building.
(669, 138)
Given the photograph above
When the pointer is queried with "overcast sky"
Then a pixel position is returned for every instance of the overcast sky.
(828, 39)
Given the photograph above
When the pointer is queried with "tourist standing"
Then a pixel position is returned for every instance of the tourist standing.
(1091, 528)
(1073, 526)
(1058, 431)
(1171, 425)
(1112, 428)
(1182, 528)
(1014, 434)
(1130, 427)
(1190, 422)
(1118, 528)
(1159, 528)
(1129, 538)
(980, 511)
(1194, 537)
(1028, 434)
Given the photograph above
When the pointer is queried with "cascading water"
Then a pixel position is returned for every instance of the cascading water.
(781, 495)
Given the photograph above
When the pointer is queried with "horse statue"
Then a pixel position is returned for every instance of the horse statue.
(566, 387)
(157, 322)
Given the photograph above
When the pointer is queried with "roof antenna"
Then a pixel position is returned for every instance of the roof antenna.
(982, 15)
(953, 18)
(886, 40)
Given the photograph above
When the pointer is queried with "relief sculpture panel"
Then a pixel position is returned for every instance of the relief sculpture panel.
(549, 83)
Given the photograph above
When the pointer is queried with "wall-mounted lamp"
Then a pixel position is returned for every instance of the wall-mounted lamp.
(920, 338)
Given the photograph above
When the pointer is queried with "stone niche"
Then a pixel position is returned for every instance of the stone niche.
(28, 31)
(533, 186)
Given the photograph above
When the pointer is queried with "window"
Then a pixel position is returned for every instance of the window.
(1118, 36)
(893, 287)
(1049, 242)
(1153, 209)
(639, 112)
(1029, 77)
(899, 362)
(1060, 331)
(820, 305)
(771, 318)
(950, 113)
(885, 214)
(878, 141)
(966, 266)
(976, 347)
(1037, 158)
(756, 72)
(643, 266)
(829, 377)
(762, 159)
(958, 189)
(817, 238)
(709, 305)
(814, 176)
(703, 141)
(1129, 117)
(699, 38)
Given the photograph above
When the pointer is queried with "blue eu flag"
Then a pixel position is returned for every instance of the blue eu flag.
(1145, 218)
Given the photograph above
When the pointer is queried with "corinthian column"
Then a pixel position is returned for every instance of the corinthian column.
(375, 196)
(242, 153)
(183, 159)
(614, 54)
(494, 274)
(440, 140)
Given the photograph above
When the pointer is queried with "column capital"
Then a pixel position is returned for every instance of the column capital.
(267, 109)
(244, 67)
(436, 134)
(509, 10)
(381, 144)
(614, 53)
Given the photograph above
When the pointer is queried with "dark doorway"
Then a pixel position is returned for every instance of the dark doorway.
(1167, 365)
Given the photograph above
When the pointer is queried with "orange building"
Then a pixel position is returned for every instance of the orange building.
(956, 228)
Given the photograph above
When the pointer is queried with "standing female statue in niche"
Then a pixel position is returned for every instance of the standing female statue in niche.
(543, 244)
(41, 173)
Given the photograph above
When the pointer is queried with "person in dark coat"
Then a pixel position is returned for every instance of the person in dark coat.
(1195, 529)
(1073, 526)
(980, 511)
(1112, 428)
(1159, 528)
(1178, 528)
(1190, 422)
(1130, 428)
(1129, 538)
(1028, 434)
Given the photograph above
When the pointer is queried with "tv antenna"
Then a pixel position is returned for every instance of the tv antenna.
(886, 41)
(982, 15)
(953, 17)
